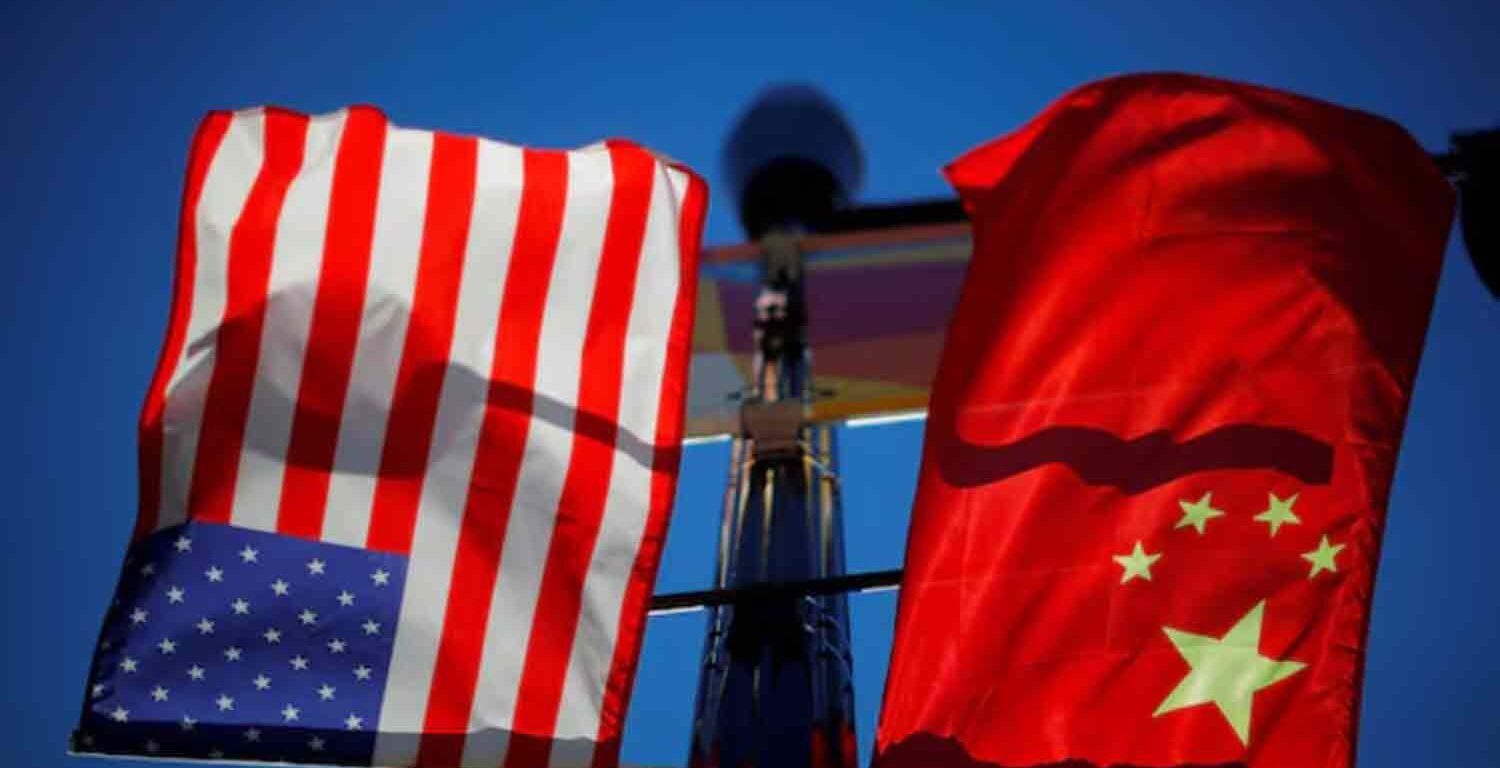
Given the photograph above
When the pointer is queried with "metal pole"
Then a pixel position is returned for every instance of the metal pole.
(776, 688)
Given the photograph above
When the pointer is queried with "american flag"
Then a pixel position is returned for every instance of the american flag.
(408, 454)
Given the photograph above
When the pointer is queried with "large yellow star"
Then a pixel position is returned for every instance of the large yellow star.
(1226, 671)
(1322, 558)
(1197, 513)
(1279, 512)
(1137, 563)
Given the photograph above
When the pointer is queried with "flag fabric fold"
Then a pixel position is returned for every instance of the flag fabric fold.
(408, 455)
(1163, 433)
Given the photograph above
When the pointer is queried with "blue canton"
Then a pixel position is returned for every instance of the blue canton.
(229, 643)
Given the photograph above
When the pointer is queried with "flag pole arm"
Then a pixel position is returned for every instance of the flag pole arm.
(852, 582)
(1471, 163)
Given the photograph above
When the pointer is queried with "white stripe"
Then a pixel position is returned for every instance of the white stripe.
(395, 249)
(296, 262)
(629, 497)
(461, 406)
(544, 463)
(654, 612)
(688, 442)
(226, 185)
(893, 418)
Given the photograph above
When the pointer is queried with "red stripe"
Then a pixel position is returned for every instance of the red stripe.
(429, 335)
(497, 458)
(237, 348)
(329, 358)
(663, 482)
(205, 146)
(586, 486)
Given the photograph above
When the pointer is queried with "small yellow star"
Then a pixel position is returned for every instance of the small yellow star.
(1197, 513)
(1279, 512)
(1322, 558)
(1137, 563)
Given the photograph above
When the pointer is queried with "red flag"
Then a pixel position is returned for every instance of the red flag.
(1162, 434)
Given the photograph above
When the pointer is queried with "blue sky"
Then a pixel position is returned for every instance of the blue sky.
(100, 102)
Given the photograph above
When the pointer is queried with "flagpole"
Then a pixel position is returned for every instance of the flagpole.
(776, 684)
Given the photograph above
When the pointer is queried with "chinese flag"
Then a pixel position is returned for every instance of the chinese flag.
(1162, 434)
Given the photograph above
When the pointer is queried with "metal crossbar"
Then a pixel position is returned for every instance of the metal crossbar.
(674, 602)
